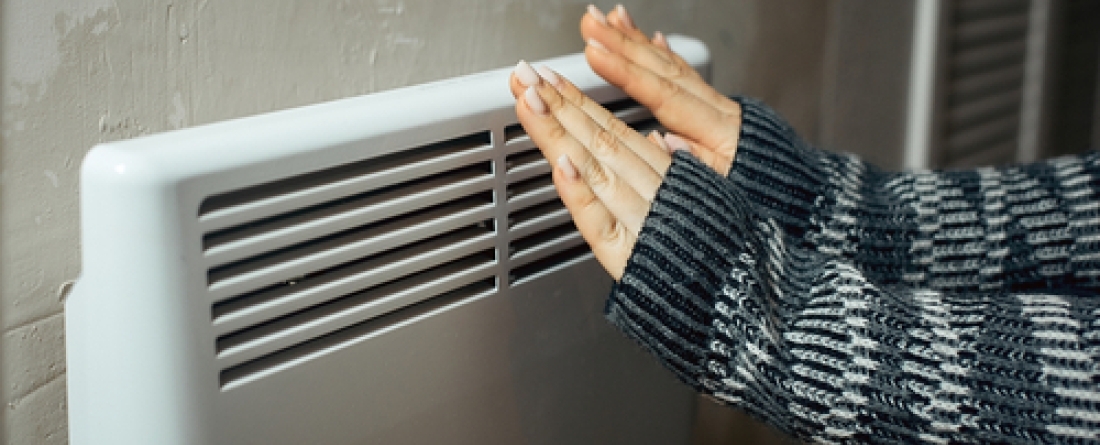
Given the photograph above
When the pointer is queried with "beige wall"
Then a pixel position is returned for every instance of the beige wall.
(866, 84)
(78, 72)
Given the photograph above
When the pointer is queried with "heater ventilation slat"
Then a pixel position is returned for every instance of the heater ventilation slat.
(351, 308)
(240, 373)
(363, 240)
(448, 243)
(527, 165)
(543, 192)
(542, 266)
(237, 325)
(245, 240)
(524, 158)
(529, 186)
(534, 214)
(297, 192)
(466, 246)
(515, 132)
(311, 288)
(523, 249)
(300, 259)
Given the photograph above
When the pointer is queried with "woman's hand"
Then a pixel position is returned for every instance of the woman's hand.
(605, 172)
(648, 70)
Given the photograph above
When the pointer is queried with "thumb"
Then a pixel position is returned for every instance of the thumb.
(711, 158)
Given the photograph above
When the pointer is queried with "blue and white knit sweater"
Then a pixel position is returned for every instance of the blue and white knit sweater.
(844, 304)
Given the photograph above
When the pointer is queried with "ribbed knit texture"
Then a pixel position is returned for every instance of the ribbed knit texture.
(845, 304)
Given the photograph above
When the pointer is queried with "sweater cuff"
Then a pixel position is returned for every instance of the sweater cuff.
(764, 135)
(774, 170)
(696, 232)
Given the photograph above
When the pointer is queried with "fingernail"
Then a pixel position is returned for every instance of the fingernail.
(655, 136)
(596, 44)
(660, 40)
(527, 76)
(534, 101)
(626, 16)
(549, 75)
(567, 168)
(676, 143)
(597, 14)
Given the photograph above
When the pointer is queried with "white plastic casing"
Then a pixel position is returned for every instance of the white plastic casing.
(228, 296)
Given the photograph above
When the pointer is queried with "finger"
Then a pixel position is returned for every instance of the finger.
(711, 158)
(593, 13)
(660, 41)
(529, 77)
(605, 141)
(658, 140)
(608, 238)
(656, 158)
(659, 59)
(538, 111)
(678, 109)
(620, 19)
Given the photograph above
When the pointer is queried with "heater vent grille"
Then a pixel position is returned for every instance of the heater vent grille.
(296, 263)
(359, 331)
(365, 240)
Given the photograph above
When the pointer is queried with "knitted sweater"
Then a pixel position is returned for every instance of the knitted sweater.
(844, 304)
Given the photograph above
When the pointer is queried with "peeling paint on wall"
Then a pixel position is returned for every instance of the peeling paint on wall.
(33, 50)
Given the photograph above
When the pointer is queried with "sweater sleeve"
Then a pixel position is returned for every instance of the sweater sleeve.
(1035, 226)
(791, 324)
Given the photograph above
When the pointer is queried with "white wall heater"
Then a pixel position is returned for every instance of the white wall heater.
(393, 268)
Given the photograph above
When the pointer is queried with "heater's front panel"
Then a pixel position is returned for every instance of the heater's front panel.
(395, 268)
(440, 293)
(537, 366)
